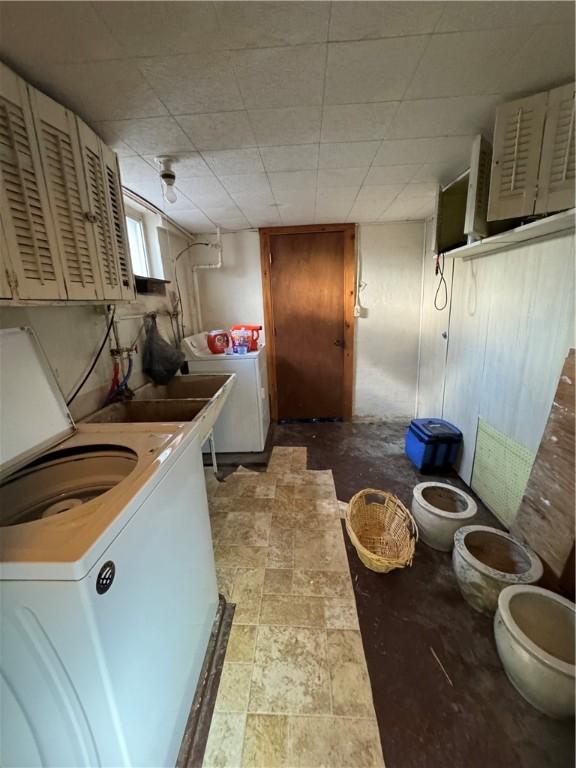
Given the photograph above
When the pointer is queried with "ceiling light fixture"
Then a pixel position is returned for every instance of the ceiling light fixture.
(168, 178)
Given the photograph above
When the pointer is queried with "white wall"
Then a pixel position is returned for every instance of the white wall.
(71, 334)
(511, 325)
(387, 339)
(433, 323)
(233, 294)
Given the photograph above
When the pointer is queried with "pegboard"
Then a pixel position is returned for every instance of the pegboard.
(501, 471)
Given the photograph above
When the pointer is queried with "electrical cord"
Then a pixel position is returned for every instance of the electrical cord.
(96, 358)
(439, 270)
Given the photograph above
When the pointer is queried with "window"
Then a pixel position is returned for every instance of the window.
(138, 247)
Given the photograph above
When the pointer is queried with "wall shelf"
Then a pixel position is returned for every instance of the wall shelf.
(535, 230)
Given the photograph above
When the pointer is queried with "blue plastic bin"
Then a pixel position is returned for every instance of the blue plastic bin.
(432, 444)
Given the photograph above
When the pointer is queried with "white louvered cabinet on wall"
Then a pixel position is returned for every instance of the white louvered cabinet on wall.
(516, 157)
(100, 211)
(5, 287)
(533, 160)
(557, 165)
(61, 203)
(32, 266)
(67, 194)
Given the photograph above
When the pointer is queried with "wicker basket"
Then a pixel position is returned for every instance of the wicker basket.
(382, 530)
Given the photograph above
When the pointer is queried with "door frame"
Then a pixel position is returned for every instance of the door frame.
(348, 301)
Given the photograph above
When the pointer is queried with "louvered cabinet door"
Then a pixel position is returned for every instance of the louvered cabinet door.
(24, 210)
(475, 222)
(516, 158)
(5, 273)
(557, 166)
(118, 219)
(67, 194)
(99, 212)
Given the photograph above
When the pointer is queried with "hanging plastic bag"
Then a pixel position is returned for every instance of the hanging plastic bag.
(160, 360)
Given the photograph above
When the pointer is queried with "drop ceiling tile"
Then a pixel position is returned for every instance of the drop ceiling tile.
(341, 177)
(331, 214)
(281, 77)
(337, 197)
(408, 209)
(265, 24)
(279, 127)
(292, 180)
(459, 16)
(193, 83)
(373, 70)
(390, 174)
(219, 130)
(103, 90)
(440, 173)
(296, 197)
(364, 21)
(253, 200)
(440, 149)
(216, 212)
(110, 138)
(465, 63)
(189, 165)
(232, 161)
(424, 190)
(372, 201)
(459, 115)
(296, 213)
(547, 60)
(134, 170)
(357, 122)
(150, 135)
(205, 191)
(194, 221)
(154, 29)
(381, 196)
(246, 183)
(264, 220)
(299, 157)
(347, 154)
(40, 31)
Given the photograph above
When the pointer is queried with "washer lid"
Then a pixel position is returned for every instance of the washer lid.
(33, 413)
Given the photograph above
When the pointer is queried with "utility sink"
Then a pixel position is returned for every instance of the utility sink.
(149, 410)
(193, 398)
(191, 386)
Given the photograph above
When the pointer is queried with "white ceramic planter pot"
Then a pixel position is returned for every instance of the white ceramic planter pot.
(534, 633)
(485, 560)
(440, 510)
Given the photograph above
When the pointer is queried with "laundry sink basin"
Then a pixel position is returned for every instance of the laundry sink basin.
(190, 386)
(149, 411)
(192, 398)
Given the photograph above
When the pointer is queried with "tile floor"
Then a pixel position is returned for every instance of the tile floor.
(294, 691)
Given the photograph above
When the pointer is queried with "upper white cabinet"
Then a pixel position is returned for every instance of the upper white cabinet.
(533, 159)
(557, 165)
(61, 203)
(67, 195)
(33, 264)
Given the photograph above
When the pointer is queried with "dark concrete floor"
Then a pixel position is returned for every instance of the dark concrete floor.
(469, 715)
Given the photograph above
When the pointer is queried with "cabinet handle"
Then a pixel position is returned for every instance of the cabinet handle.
(91, 217)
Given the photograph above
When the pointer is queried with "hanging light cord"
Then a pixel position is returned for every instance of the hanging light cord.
(442, 286)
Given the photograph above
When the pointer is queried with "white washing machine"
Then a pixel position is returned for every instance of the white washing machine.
(245, 418)
(107, 580)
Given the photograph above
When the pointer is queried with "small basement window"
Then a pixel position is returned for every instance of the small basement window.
(139, 253)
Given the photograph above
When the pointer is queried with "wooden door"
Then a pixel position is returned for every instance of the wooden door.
(309, 289)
